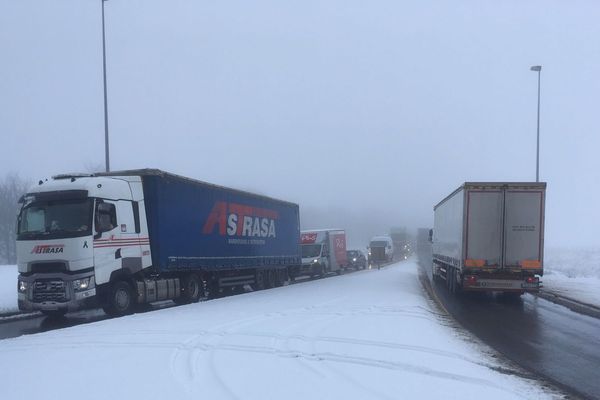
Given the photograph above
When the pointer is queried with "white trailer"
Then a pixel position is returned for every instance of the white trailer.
(490, 237)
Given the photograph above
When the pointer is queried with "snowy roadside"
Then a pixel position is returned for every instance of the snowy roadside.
(370, 334)
(573, 273)
(8, 289)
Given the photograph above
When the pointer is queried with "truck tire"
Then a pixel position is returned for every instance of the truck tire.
(259, 280)
(322, 271)
(280, 277)
(120, 299)
(449, 278)
(271, 279)
(192, 289)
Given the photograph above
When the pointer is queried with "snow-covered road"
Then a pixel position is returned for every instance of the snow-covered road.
(371, 334)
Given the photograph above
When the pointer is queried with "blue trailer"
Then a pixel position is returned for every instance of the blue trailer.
(132, 237)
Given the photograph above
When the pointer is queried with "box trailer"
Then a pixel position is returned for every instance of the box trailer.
(490, 237)
(323, 251)
(381, 249)
(125, 238)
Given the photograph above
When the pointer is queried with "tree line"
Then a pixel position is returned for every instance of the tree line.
(12, 187)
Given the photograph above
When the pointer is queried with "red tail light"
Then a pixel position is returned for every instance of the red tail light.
(470, 280)
(532, 279)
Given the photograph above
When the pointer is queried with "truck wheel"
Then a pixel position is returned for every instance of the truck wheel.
(192, 289)
(435, 277)
(280, 277)
(454, 287)
(120, 299)
(291, 275)
(259, 280)
(271, 280)
(449, 278)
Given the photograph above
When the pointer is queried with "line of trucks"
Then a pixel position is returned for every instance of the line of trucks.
(121, 240)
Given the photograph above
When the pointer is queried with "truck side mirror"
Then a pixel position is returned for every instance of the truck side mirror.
(431, 236)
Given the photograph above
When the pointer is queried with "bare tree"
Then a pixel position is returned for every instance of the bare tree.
(12, 187)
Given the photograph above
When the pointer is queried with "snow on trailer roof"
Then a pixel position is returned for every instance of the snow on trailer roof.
(162, 174)
(492, 185)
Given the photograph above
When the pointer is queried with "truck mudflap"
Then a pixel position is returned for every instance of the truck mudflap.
(528, 284)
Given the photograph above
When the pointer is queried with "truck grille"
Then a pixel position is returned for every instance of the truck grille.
(378, 253)
(49, 290)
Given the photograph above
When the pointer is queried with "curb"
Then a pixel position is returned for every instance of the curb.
(15, 315)
(572, 304)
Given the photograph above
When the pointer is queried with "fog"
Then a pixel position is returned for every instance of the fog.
(365, 113)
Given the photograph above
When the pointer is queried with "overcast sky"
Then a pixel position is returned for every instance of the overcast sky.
(366, 113)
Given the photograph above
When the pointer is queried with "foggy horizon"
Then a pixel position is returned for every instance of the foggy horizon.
(366, 115)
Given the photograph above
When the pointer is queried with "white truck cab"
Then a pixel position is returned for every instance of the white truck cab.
(75, 233)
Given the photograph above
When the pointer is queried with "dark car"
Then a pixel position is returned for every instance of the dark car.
(356, 259)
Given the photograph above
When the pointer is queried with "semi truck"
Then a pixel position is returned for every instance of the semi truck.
(120, 240)
(490, 237)
(402, 242)
(381, 249)
(323, 251)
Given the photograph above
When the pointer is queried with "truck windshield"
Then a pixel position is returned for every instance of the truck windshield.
(379, 243)
(311, 250)
(55, 219)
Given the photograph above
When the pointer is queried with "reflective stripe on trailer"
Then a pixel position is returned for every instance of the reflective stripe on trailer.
(502, 284)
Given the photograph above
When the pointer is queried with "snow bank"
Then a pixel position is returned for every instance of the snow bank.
(586, 290)
(573, 273)
(370, 334)
(8, 288)
(573, 262)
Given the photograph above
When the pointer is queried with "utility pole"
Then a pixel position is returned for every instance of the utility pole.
(538, 69)
(106, 147)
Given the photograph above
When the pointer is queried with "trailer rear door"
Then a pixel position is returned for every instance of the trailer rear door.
(484, 228)
(523, 227)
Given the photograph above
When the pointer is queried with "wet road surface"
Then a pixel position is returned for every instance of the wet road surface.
(544, 338)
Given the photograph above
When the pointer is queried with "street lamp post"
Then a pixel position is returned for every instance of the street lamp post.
(538, 69)
(106, 150)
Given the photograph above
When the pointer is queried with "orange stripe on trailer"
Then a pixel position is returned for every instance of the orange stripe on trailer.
(470, 262)
(530, 264)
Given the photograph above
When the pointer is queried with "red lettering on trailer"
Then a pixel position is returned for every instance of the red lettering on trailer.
(48, 248)
(235, 219)
(308, 238)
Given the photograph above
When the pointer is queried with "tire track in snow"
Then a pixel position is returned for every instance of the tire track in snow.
(184, 359)
(355, 360)
(370, 392)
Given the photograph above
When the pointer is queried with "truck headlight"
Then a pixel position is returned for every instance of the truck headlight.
(22, 286)
(83, 284)
(354, 259)
(316, 260)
